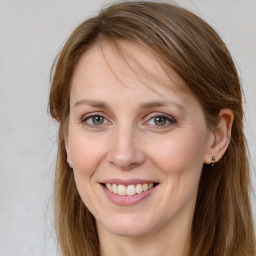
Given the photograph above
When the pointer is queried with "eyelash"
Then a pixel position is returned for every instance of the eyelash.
(85, 120)
(168, 120)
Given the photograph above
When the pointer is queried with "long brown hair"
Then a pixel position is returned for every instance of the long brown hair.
(222, 223)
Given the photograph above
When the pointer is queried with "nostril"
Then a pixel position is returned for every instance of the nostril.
(125, 164)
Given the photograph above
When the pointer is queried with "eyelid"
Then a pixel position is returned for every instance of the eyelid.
(91, 114)
(168, 117)
(86, 117)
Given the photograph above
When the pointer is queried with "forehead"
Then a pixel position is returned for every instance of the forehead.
(127, 61)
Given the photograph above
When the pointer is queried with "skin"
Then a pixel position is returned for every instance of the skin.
(131, 144)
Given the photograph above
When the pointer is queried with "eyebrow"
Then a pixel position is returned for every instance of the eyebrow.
(146, 105)
(154, 104)
(92, 103)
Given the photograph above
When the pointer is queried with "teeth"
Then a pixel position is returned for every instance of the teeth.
(145, 187)
(109, 187)
(121, 190)
(114, 188)
(129, 190)
(139, 188)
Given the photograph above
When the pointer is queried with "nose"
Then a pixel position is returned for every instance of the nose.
(125, 152)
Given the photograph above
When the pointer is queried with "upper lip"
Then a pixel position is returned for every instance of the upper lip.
(127, 182)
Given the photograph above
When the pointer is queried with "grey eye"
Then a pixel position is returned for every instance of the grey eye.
(160, 120)
(95, 120)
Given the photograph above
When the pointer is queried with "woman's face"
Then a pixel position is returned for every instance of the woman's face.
(136, 150)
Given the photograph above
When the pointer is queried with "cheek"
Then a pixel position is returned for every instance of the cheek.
(180, 160)
(86, 154)
(179, 154)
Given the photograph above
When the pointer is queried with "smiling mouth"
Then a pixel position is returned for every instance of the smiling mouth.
(130, 190)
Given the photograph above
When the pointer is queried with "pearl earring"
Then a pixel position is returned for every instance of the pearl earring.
(213, 161)
(69, 164)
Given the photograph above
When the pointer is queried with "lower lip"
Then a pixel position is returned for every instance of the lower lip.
(127, 200)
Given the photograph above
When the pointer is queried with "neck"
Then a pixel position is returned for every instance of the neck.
(174, 241)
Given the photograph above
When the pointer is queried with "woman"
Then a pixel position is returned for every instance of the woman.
(152, 155)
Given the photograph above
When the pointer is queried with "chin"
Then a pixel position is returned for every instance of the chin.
(129, 231)
(129, 226)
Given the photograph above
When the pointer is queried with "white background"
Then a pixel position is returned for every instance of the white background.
(31, 34)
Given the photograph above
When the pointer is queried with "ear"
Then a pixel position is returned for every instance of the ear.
(69, 162)
(220, 137)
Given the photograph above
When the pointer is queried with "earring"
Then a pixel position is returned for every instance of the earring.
(213, 161)
(69, 164)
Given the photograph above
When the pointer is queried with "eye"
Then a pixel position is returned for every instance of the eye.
(161, 120)
(95, 120)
